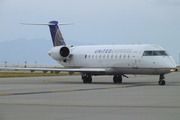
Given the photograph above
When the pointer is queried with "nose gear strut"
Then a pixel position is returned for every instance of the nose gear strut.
(161, 80)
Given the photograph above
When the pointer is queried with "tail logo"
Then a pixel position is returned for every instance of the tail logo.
(55, 32)
(59, 39)
(56, 35)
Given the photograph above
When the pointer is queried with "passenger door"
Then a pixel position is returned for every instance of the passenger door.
(134, 60)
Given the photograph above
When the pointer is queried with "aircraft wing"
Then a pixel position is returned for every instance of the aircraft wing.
(71, 70)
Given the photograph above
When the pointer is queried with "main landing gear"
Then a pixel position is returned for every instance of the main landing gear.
(161, 80)
(117, 79)
(87, 79)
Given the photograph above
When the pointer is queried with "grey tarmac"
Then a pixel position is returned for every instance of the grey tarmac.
(68, 98)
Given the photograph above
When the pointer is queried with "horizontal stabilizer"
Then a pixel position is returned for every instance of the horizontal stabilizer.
(56, 34)
(46, 24)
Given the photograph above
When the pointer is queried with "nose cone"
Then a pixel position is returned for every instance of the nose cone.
(170, 62)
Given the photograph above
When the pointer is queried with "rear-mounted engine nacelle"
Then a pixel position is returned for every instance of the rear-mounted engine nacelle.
(59, 53)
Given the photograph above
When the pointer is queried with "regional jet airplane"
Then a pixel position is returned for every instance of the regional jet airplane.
(115, 60)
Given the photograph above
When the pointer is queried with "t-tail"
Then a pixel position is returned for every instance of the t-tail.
(56, 34)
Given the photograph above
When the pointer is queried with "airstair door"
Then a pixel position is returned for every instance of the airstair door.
(134, 60)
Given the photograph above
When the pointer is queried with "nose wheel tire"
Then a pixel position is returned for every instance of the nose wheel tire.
(161, 80)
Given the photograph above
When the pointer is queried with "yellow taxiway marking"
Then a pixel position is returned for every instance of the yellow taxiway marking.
(88, 89)
(116, 87)
(38, 92)
(5, 94)
(90, 105)
(77, 90)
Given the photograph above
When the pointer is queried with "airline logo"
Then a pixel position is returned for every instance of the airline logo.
(103, 51)
(56, 35)
(59, 39)
(113, 51)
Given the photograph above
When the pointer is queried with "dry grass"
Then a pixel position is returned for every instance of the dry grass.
(19, 74)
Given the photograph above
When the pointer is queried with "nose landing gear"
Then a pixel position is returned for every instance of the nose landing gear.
(161, 80)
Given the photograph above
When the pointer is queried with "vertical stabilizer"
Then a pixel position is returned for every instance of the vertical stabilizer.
(56, 35)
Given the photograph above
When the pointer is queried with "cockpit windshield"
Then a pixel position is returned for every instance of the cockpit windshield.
(155, 53)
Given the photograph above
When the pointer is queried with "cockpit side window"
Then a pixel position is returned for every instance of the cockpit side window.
(160, 53)
(147, 53)
(165, 53)
(155, 53)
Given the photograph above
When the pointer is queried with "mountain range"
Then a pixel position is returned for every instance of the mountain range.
(34, 51)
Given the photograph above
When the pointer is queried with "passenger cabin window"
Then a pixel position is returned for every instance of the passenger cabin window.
(116, 56)
(103, 56)
(155, 53)
(128, 56)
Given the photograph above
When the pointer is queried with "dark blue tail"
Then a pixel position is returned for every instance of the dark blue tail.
(56, 35)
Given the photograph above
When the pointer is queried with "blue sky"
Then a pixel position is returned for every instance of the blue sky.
(96, 21)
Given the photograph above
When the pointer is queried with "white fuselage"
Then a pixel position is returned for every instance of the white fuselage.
(120, 59)
(116, 60)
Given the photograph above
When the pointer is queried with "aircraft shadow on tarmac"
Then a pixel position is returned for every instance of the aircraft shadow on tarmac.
(111, 83)
(99, 83)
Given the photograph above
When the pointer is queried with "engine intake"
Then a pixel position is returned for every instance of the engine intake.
(59, 53)
(64, 52)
